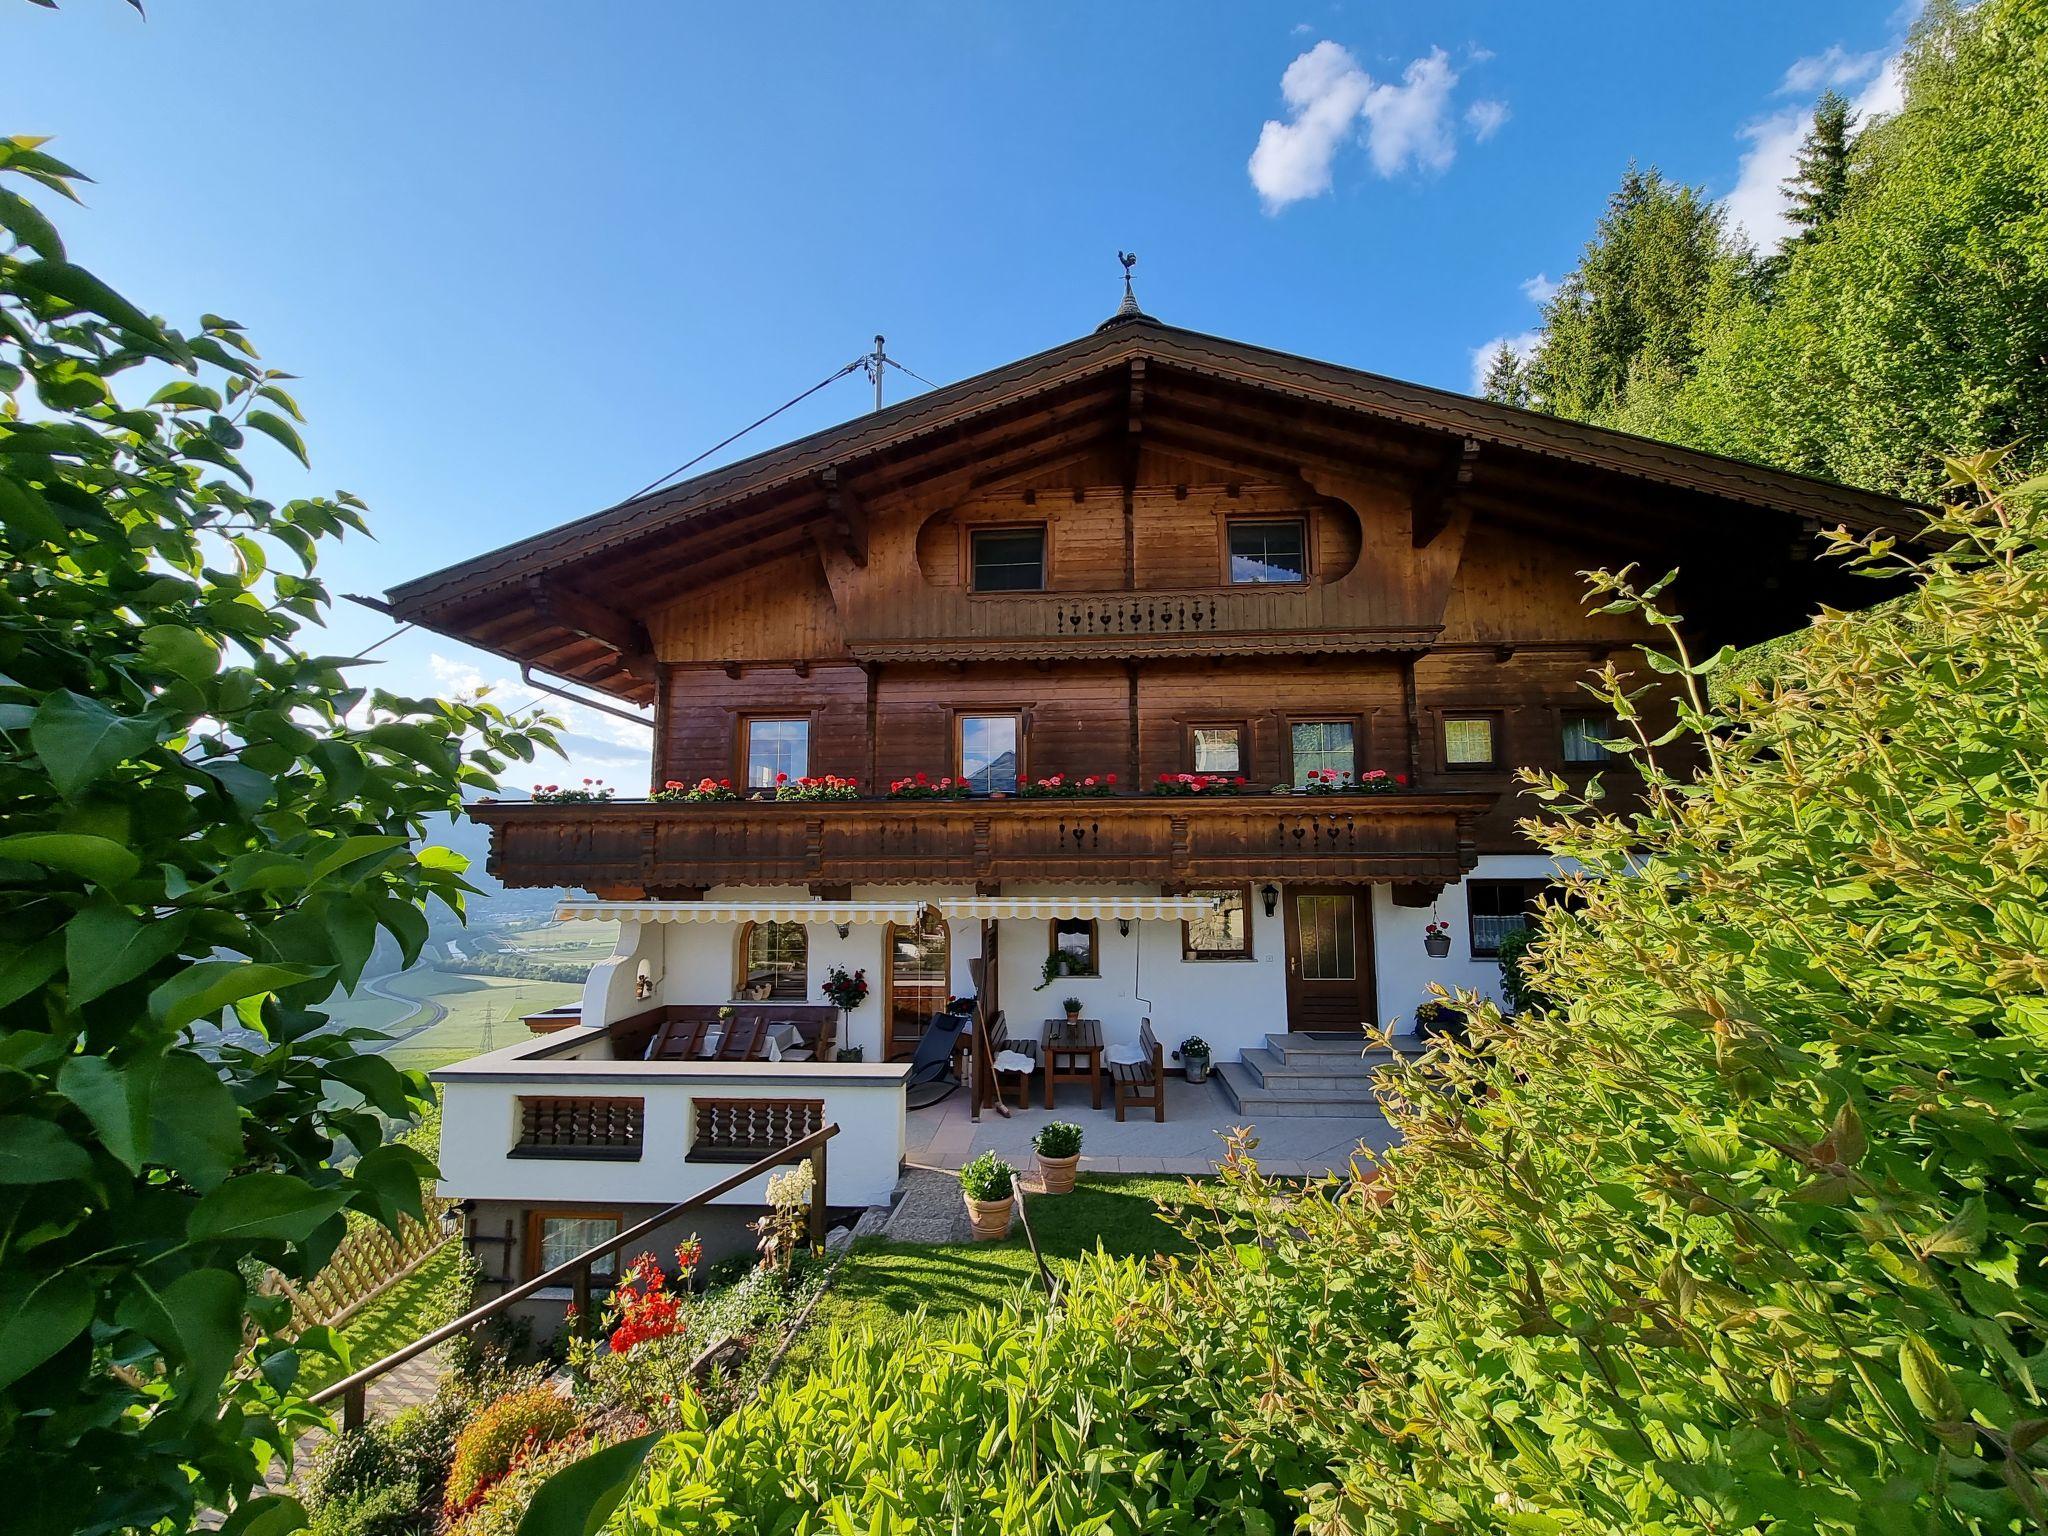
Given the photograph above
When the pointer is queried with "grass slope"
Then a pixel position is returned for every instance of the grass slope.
(882, 1284)
(412, 1308)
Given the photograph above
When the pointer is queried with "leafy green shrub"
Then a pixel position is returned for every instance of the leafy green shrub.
(499, 1509)
(995, 1424)
(1056, 1138)
(1515, 987)
(485, 1450)
(987, 1177)
(353, 1463)
(1744, 1231)
(387, 1511)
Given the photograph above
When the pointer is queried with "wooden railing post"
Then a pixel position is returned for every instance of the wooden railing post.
(586, 1324)
(818, 1198)
(355, 1406)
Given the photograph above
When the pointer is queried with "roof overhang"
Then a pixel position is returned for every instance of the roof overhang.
(568, 600)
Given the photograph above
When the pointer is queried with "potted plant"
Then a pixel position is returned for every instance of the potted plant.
(850, 1053)
(1194, 1058)
(1435, 1018)
(1436, 938)
(1057, 964)
(1058, 1145)
(987, 1184)
(1073, 1007)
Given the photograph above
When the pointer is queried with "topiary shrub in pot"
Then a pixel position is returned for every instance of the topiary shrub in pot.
(1058, 1145)
(987, 1184)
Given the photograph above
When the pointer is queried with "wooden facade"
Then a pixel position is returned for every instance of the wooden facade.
(832, 584)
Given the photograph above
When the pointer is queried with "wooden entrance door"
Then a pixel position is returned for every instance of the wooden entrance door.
(1329, 959)
(918, 983)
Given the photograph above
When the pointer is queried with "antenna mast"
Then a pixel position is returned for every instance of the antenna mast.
(875, 362)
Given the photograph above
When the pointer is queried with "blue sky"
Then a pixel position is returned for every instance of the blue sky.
(527, 257)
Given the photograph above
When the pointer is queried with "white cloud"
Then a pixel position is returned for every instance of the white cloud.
(1324, 90)
(1486, 118)
(1522, 345)
(1885, 93)
(1409, 123)
(1404, 125)
(1757, 205)
(1539, 289)
(1830, 69)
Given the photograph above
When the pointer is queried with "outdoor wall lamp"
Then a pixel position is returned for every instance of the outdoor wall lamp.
(1270, 895)
(1123, 927)
(844, 929)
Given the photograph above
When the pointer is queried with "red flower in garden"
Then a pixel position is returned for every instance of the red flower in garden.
(782, 778)
(1109, 778)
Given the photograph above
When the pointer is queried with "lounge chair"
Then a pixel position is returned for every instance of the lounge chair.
(931, 1065)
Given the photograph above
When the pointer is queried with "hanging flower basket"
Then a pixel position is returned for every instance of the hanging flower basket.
(1436, 939)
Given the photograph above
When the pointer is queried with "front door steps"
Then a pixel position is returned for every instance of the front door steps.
(1304, 1074)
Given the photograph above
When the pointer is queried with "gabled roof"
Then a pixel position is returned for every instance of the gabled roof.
(774, 492)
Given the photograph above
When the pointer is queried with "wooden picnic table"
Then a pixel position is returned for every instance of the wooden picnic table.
(1073, 1053)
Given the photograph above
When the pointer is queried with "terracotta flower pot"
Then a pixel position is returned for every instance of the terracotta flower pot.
(990, 1219)
(1058, 1173)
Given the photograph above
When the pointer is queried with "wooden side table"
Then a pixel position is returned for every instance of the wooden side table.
(1073, 1053)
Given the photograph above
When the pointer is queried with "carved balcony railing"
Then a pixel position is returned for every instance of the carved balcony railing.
(630, 849)
(609, 1128)
(742, 1130)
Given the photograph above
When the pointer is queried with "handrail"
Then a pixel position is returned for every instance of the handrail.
(351, 1387)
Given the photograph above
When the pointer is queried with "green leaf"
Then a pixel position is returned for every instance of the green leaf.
(79, 853)
(28, 224)
(274, 426)
(206, 987)
(578, 1500)
(39, 1317)
(116, 1100)
(274, 1514)
(376, 1079)
(34, 1151)
(27, 514)
(205, 1305)
(105, 946)
(80, 739)
(188, 392)
(355, 850)
(262, 1205)
(81, 290)
(180, 651)
(195, 1126)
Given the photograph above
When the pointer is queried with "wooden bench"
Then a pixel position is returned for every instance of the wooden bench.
(1141, 1082)
(1000, 1040)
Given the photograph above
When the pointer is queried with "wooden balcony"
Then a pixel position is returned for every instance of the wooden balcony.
(633, 849)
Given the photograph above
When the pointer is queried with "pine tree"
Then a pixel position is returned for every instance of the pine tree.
(1507, 379)
(1818, 189)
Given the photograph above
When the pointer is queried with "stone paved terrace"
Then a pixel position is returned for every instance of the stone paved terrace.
(1190, 1142)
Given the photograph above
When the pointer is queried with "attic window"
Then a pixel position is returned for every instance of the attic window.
(1268, 551)
(1009, 559)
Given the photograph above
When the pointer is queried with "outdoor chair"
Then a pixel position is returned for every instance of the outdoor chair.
(1011, 1057)
(1139, 1077)
(931, 1064)
(746, 1038)
(678, 1039)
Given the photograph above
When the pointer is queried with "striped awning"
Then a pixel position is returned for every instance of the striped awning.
(1176, 908)
(766, 911)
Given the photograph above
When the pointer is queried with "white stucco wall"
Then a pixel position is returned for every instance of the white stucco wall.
(480, 1122)
(1231, 1003)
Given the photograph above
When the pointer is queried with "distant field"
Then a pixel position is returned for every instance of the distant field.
(484, 1013)
(566, 943)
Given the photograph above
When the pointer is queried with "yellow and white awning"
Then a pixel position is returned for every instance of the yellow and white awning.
(766, 911)
(1176, 908)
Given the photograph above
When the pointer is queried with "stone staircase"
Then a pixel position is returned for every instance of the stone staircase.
(1303, 1075)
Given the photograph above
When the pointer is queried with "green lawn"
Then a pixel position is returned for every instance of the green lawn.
(564, 943)
(882, 1283)
(414, 1307)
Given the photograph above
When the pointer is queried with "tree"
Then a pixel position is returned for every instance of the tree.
(1507, 378)
(207, 825)
(1816, 191)
(1628, 308)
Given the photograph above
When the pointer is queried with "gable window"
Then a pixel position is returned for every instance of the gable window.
(777, 748)
(775, 961)
(1216, 749)
(1268, 551)
(1468, 741)
(1584, 731)
(1074, 937)
(1224, 933)
(557, 1237)
(989, 756)
(1008, 559)
(1497, 908)
(1321, 746)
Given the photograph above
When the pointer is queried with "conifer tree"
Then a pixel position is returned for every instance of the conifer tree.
(1816, 191)
(1507, 378)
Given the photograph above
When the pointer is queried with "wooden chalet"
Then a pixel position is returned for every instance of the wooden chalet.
(1146, 552)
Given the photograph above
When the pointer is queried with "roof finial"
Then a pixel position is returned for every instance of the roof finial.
(1128, 310)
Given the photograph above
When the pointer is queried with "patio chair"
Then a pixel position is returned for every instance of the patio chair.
(678, 1039)
(1023, 1057)
(1141, 1078)
(746, 1038)
(931, 1065)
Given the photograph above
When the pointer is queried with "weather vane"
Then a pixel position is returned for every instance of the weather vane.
(1130, 260)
